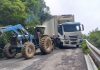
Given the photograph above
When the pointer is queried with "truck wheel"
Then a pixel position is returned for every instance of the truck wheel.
(9, 51)
(58, 43)
(28, 50)
(77, 46)
(46, 45)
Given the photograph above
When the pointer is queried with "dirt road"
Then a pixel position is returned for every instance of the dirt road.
(59, 59)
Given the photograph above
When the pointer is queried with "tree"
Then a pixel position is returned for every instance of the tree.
(12, 12)
(37, 10)
(23, 11)
(94, 37)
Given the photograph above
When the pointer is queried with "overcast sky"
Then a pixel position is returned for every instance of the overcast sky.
(86, 11)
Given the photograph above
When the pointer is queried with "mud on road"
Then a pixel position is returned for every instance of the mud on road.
(59, 59)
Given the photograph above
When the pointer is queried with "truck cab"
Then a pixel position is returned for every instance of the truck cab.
(70, 34)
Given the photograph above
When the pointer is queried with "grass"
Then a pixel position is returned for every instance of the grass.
(85, 48)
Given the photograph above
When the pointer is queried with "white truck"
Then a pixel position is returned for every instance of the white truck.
(63, 30)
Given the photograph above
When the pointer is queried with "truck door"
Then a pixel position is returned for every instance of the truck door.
(60, 31)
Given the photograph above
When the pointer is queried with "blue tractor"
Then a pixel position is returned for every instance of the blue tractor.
(23, 42)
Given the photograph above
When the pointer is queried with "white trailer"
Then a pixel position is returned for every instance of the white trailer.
(63, 30)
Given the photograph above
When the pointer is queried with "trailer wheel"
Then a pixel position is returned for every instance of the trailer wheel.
(46, 45)
(28, 50)
(9, 51)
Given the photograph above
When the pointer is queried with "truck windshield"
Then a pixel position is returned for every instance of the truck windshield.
(71, 27)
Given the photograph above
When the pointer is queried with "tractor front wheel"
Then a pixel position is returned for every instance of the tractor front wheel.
(28, 50)
(9, 51)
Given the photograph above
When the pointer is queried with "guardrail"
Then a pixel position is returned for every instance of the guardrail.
(95, 53)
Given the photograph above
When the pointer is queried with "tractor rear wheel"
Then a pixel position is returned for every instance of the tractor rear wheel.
(9, 51)
(46, 45)
(28, 50)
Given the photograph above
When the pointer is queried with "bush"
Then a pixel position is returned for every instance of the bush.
(85, 48)
(4, 39)
(1, 53)
(94, 38)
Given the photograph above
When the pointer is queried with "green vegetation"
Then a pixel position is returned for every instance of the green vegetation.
(5, 38)
(94, 37)
(85, 48)
(23, 11)
(26, 12)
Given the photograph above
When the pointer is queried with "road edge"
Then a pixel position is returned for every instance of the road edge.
(90, 63)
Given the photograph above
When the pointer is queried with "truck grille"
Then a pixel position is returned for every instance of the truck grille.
(73, 38)
(73, 42)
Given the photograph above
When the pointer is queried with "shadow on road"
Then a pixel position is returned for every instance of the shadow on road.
(69, 47)
(38, 53)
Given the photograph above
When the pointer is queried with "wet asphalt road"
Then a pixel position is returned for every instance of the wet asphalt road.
(59, 59)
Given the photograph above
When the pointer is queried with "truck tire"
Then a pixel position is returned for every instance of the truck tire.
(28, 51)
(58, 43)
(46, 45)
(9, 51)
(77, 46)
